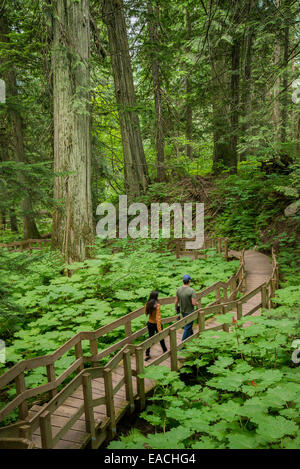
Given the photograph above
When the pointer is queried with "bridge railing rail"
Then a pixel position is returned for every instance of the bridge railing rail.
(28, 244)
(18, 372)
(96, 433)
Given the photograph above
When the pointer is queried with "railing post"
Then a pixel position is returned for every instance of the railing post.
(109, 397)
(244, 280)
(128, 329)
(139, 355)
(78, 354)
(25, 432)
(20, 387)
(225, 296)
(173, 349)
(264, 297)
(51, 378)
(94, 350)
(239, 310)
(273, 284)
(201, 321)
(226, 249)
(46, 430)
(128, 380)
(232, 287)
(269, 294)
(88, 407)
(218, 295)
(219, 245)
(240, 274)
(277, 277)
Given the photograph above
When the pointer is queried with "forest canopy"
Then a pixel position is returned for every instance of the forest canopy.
(113, 97)
(165, 103)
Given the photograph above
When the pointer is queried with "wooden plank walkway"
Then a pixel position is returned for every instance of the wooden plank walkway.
(258, 270)
(77, 437)
(85, 412)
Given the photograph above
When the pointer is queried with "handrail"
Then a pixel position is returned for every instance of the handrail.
(84, 376)
(26, 244)
(42, 418)
(17, 371)
(198, 315)
(16, 443)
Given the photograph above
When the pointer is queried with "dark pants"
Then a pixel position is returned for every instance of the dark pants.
(188, 329)
(152, 329)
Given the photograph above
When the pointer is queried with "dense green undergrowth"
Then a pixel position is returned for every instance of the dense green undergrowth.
(249, 209)
(238, 390)
(46, 308)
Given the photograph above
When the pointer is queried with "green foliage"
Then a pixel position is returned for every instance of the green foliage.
(52, 307)
(19, 274)
(249, 207)
(246, 394)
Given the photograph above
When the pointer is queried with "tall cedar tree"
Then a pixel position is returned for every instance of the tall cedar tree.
(72, 222)
(135, 167)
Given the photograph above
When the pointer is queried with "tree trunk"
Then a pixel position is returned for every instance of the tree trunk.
(226, 99)
(277, 85)
(285, 94)
(159, 132)
(72, 231)
(189, 109)
(30, 230)
(135, 167)
(246, 88)
(223, 158)
(13, 221)
(2, 220)
(234, 112)
(29, 227)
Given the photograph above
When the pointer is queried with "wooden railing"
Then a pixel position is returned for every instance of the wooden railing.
(98, 433)
(16, 375)
(16, 443)
(220, 244)
(27, 245)
(226, 293)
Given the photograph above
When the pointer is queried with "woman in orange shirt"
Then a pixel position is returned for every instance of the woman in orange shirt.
(152, 308)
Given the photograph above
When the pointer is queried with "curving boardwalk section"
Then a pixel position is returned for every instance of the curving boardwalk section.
(258, 270)
(87, 410)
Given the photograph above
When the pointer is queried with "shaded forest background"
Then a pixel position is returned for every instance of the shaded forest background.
(165, 101)
(159, 100)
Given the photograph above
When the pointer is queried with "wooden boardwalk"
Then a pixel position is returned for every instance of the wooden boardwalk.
(86, 411)
(258, 271)
(77, 437)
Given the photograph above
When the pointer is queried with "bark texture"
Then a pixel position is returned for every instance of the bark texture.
(135, 167)
(285, 79)
(159, 123)
(189, 108)
(246, 93)
(221, 101)
(29, 226)
(72, 221)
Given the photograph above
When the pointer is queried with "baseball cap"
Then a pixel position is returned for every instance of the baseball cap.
(187, 277)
